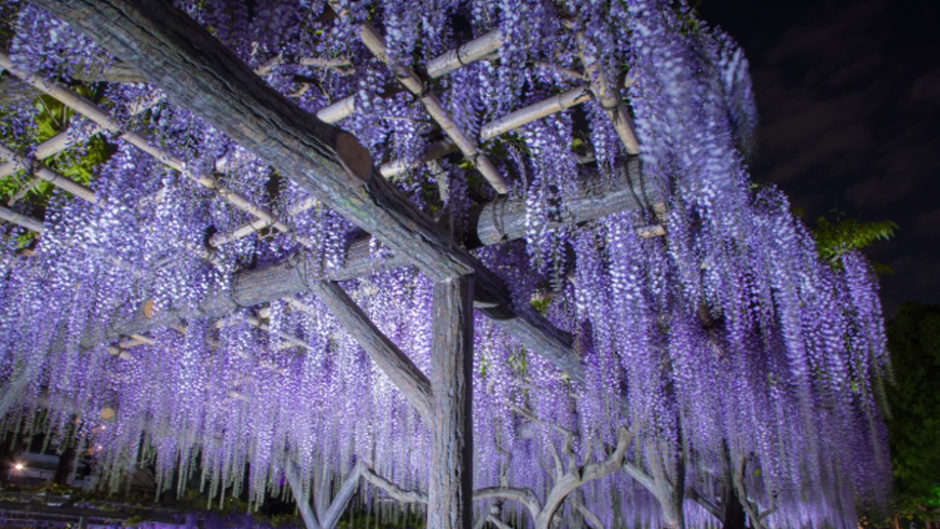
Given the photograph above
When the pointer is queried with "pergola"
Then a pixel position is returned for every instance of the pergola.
(160, 44)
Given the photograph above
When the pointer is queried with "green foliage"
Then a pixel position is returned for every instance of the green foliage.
(914, 341)
(836, 238)
(53, 118)
(541, 304)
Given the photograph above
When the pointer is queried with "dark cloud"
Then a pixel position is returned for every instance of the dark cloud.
(849, 97)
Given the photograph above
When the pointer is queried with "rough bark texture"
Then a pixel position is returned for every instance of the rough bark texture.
(503, 220)
(450, 476)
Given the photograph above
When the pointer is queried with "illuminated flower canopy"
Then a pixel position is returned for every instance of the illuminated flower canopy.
(705, 324)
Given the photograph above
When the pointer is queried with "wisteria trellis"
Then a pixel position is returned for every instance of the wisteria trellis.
(720, 363)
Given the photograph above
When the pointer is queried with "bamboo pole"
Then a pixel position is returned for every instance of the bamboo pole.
(99, 116)
(412, 81)
(609, 99)
(50, 147)
(438, 67)
(535, 111)
(496, 127)
(339, 110)
(434, 151)
(21, 220)
(35, 167)
(59, 143)
(472, 51)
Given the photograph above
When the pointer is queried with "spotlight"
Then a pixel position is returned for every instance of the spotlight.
(19, 466)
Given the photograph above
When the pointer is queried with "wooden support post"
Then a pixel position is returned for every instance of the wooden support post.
(450, 482)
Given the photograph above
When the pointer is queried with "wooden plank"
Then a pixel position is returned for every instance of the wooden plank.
(450, 474)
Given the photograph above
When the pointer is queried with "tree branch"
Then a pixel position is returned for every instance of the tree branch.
(704, 502)
(394, 491)
(523, 496)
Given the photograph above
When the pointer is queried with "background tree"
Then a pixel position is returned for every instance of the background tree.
(914, 423)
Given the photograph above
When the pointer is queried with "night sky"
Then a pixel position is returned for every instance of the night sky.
(849, 102)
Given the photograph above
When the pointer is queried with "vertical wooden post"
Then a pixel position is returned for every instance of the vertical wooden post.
(450, 484)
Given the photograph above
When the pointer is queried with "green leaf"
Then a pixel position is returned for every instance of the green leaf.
(836, 238)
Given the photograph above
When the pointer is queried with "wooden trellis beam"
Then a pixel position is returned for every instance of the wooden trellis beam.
(501, 220)
(446, 63)
(50, 147)
(197, 71)
(394, 363)
(59, 143)
(472, 51)
(494, 128)
(497, 221)
(440, 66)
(534, 111)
